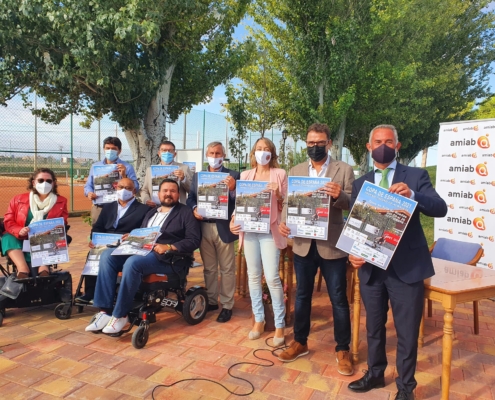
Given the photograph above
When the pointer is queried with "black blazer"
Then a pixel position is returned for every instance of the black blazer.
(412, 260)
(180, 228)
(222, 225)
(132, 218)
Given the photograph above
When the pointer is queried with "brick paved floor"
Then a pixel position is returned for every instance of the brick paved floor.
(45, 358)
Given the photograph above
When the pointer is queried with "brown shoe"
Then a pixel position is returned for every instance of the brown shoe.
(344, 363)
(294, 351)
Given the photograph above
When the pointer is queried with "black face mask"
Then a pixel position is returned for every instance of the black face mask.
(383, 154)
(317, 153)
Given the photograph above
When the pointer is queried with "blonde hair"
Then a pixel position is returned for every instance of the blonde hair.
(273, 161)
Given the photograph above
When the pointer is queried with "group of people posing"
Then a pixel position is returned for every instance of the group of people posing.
(183, 229)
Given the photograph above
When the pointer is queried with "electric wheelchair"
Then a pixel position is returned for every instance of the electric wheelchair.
(158, 291)
(35, 290)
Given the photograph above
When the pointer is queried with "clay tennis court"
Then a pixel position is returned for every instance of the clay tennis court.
(11, 186)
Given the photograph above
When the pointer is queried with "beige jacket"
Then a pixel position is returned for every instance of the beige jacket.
(341, 173)
(147, 189)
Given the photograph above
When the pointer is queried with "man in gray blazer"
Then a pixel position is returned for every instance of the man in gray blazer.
(167, 154)
(309, 254)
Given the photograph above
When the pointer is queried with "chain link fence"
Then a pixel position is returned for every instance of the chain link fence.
(27, 143)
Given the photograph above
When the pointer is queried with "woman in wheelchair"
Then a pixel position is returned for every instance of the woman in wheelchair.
(41, 202)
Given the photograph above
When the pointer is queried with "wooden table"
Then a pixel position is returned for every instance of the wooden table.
(455, 283)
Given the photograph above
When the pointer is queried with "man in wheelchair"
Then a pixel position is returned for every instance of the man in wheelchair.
(180, 231)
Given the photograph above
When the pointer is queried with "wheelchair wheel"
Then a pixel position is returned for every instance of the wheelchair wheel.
(195, 307)
(63, 311)
(140, 337)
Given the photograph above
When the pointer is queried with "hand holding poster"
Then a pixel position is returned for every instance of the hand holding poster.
(253, 206)
(158, 174)
(105, 181)
(139, 242)
(48, 242)
(376, 224)
(100, 241)
(308, 207)
(213, 195)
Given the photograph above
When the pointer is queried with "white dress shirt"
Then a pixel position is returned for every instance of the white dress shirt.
(312, 171)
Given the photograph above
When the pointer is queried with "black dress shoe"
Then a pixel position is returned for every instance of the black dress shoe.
(224, 315)
(212, 307)
(366, 383)
(403, 395)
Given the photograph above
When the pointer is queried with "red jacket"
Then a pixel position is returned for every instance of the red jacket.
(16, 216)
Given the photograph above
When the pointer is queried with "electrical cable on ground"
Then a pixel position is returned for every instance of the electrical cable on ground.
(270, 364)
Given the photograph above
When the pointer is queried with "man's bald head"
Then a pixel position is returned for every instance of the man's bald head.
(126, 183)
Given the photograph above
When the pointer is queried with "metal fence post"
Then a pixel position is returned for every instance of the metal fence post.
(71, 163)
(35, 132)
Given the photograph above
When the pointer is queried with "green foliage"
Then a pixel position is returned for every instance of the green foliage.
(239, 117)
(428, 222)
(95, 57)
(87, 219)
(485, 110)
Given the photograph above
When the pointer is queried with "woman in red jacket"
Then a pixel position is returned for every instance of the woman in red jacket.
(41, 202)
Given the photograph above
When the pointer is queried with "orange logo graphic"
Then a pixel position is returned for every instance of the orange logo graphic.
(470, 234)
(480, 196)
(473, 182)
(481, 169)
(490, 238)
(474, 155)
(451, 231)
(492, 210)
(483, 142)
(455, 129)
(479, 224)
(471, 208)
(452, 180)
(454, 155)
(490, 265)
(475, 127)
(451, 206)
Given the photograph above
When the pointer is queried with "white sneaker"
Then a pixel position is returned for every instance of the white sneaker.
(100, 320)
(115, 325)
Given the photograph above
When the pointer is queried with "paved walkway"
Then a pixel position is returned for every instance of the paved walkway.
(46, 358)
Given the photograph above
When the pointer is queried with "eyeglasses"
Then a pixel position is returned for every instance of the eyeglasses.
(41, 180)
(130, 188)
(321, 143)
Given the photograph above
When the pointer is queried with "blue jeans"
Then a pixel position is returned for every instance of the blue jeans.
(334, 273)
(133, 269)
(262, 256)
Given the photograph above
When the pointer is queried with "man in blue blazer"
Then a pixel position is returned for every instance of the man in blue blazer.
(217, 244)
(402, 282)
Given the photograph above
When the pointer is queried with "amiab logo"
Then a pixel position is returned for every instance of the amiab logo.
(480, 196)
(470, 234)
(482, 169)
(479, 223)
(483, 142)
(451, 206)
(452, 180)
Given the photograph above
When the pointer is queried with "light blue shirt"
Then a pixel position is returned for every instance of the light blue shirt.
(121, 211)
(390, 176)
(129, 170)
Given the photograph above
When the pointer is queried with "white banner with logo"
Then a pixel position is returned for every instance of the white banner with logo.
(466, 181)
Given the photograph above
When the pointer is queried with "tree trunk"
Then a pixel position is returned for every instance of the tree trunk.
(320, 94)
(338, 142)
(364, 164)
(144, 141)
(425, 156)
(405, 160)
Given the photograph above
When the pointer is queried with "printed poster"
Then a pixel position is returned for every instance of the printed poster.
(48, 242)
(253, 206)
(139, 242)
(158, 174)
(105, 178)
(308, 207)
(213, 195)
(100, 241)
(191, 165)
(376, 224)
(466, 181)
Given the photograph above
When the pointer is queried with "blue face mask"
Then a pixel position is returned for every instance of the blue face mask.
(167, 157)
(111, 155)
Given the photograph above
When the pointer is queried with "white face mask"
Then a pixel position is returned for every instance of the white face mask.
(44, 188)
(262, 157)
(124, 194)
(215, 163)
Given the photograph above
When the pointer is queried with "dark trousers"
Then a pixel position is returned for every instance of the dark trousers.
(407, 301)
(334, 273)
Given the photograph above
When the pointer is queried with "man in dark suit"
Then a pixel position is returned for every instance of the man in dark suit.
(121, 216)
(217, 245)
(179, 232)
(402, 282)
